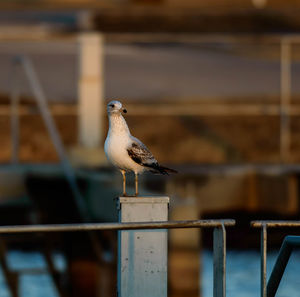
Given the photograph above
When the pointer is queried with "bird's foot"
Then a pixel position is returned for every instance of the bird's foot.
(124, 194)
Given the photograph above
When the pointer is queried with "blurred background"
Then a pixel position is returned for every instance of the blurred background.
(211, 87)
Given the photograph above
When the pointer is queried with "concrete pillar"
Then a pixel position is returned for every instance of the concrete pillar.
(142, 254)
(90, 90)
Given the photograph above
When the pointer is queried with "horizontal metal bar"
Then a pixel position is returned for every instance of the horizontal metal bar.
(274, 224)
(115, 226)
(292, 240)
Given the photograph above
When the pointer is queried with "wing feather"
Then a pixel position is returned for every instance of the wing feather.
(140, 154)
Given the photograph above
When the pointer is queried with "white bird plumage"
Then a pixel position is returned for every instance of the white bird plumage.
(126, 152)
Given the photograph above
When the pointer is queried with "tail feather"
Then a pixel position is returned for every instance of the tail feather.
(156, 168)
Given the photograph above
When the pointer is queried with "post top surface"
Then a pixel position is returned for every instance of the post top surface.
(148, 199)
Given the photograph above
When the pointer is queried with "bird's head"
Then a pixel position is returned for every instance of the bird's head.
(115, 107)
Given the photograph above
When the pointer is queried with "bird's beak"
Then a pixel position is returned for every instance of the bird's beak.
(124, 110)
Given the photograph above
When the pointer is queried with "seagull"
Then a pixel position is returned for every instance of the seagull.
(125, 151)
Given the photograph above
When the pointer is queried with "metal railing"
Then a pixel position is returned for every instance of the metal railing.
(269, 289)
(116, 226)
(219, 238)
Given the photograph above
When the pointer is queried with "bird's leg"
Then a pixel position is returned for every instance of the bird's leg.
(136, 184)
(124, 182)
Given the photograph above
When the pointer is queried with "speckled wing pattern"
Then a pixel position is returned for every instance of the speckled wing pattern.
(140, 154)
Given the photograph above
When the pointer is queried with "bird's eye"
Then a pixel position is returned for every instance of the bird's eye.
(112, 105)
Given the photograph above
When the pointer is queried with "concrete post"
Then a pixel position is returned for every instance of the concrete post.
(90, 89)
(142, 254)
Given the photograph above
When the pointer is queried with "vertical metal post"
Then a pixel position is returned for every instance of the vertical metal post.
(142, 254)
(14, 112)
(285, 98)
(219, 262)
(263, 259)
(90, 89)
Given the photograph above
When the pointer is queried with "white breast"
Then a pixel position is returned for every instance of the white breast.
(117, 142)
(115, 148)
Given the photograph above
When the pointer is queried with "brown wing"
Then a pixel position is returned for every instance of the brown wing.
(140, 154)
